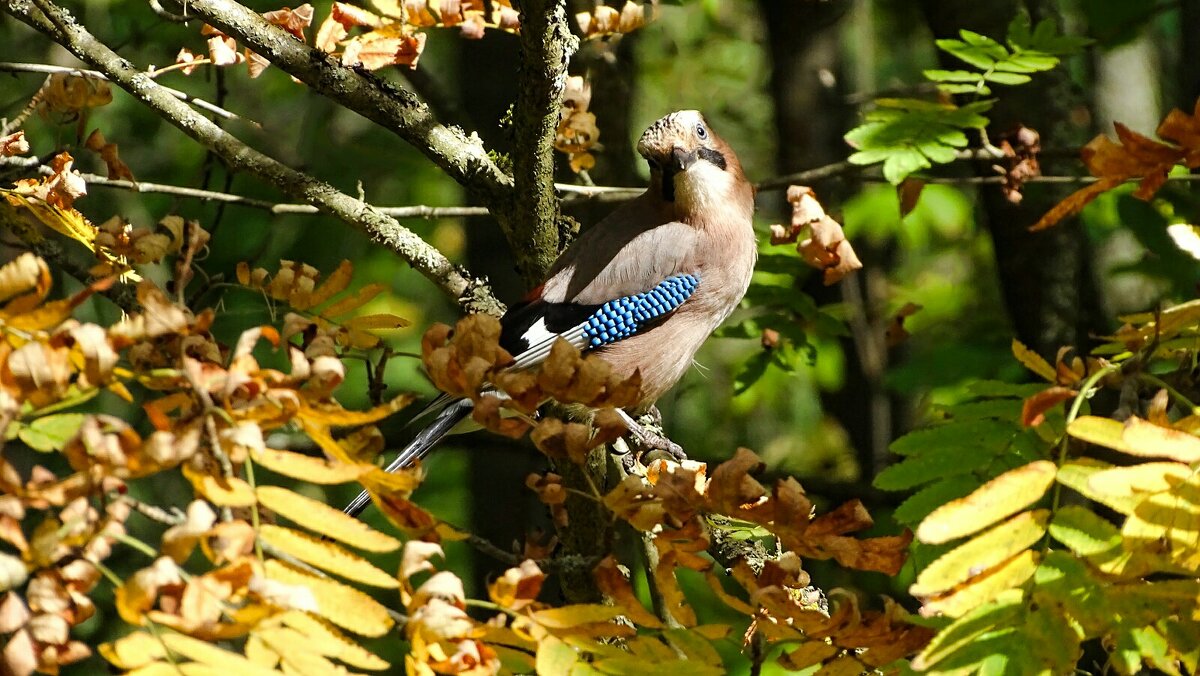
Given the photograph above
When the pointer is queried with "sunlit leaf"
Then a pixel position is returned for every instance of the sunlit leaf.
(1005, 495)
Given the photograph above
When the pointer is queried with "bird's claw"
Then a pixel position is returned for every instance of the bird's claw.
(651, 441)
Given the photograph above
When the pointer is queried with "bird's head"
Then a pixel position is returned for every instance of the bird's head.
(690, 166)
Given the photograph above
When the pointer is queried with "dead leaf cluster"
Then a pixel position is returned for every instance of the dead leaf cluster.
(605, 21)
(577, 132)
(822, 244)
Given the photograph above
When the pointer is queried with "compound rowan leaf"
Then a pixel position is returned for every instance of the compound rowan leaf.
(328, 521)
(325, 555)
(1005, 495)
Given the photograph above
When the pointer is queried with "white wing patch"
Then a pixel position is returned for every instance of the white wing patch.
(537, 333)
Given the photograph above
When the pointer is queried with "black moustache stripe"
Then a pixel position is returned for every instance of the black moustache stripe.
(713, 156)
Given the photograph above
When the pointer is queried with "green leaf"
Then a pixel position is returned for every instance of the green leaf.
(750, 372)
(908, 135)
(1045, 38)
(953, 88)
(978, 50)
(999, 409)
(1083, 532)
(1000, 77)
(52, 432)
(968, 434)
(939, 462)
(953, 76)
(903, 162)
(985, 621)
(920, 504)
(997, 388)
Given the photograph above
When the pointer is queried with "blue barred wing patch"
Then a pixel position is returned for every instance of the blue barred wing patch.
(617, 319)
(623, 317)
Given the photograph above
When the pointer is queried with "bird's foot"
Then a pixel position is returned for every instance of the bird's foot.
(646, 432)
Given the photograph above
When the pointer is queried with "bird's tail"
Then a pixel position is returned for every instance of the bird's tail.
(419, 447)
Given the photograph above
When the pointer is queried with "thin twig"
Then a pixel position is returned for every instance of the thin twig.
(415, 211)
(12, 67)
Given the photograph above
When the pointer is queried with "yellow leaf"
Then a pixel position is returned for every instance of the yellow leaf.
(243, 273)
(68, 222)
(571, 616)
(334, 284)
(298, 655)
(348, 608)
(231, 492)
(985, 587)
(23, 274)
(161, 669)
(336, 416)
(1033, 361)
(354, 301)
(133, 650)
(1135, 481)
(1168, 523)
(391, 483)
(308, 468)
(320, 517)
(1100, 431)
(326, 556)
(1077, 475)
(258, 652)
(1007, 494)
(331, 642)
(555, 657)
(376, 322)
(231, 664)
(1147, 439)
(982, 553)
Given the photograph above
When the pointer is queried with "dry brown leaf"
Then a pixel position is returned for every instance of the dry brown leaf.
(384, 47)
(13, 144)
(1033, 411)
(293, 21)
(825, 247)
(1135, 156)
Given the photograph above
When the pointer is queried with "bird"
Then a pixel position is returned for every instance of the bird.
(645, 286)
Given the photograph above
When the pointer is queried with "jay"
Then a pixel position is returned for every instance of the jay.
(644, 287)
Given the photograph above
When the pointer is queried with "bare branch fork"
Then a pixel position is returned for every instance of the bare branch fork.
(60, 26)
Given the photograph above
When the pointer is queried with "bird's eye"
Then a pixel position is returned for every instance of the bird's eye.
(701, 132)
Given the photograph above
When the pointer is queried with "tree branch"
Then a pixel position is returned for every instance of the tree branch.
(61, 27)
(463, 158)
(11, 67)
(414, 211)
(546, 46)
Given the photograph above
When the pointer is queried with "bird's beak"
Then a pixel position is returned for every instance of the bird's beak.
(682, 159)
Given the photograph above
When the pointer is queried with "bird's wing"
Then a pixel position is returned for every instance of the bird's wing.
(530, 330)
